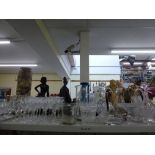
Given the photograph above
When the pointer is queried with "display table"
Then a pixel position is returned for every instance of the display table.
(79, 128)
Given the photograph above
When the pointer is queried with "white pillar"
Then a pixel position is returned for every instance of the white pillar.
(84, 57)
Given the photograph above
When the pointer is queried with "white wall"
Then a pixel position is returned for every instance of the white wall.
(100, 64)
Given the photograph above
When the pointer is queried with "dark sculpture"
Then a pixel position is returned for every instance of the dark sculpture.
(44, 88)
(64, 91)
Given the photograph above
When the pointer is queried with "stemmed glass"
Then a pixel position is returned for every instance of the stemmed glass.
(34, 109)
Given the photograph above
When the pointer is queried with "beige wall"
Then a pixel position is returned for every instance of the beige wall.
(9, 80)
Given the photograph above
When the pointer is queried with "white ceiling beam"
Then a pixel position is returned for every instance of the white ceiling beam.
(52, 43)
(31, 33)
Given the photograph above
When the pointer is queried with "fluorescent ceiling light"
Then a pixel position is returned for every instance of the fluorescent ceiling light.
(152, 68)
(5, 41)
(152, 63)
(18, 65)
(133, 51)
(136, 63)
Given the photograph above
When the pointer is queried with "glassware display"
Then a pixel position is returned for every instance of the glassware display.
(33, 108)
(68, 114)
(53, 110)
(83, 92)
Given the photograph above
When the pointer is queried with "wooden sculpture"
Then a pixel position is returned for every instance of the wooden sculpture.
(24, 81)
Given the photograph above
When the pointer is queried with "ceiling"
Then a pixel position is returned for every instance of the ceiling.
(18, 52)
(105, 34)
(29, 45)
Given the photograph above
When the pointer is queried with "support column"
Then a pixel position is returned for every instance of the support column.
(84, 57)
(84, 66)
